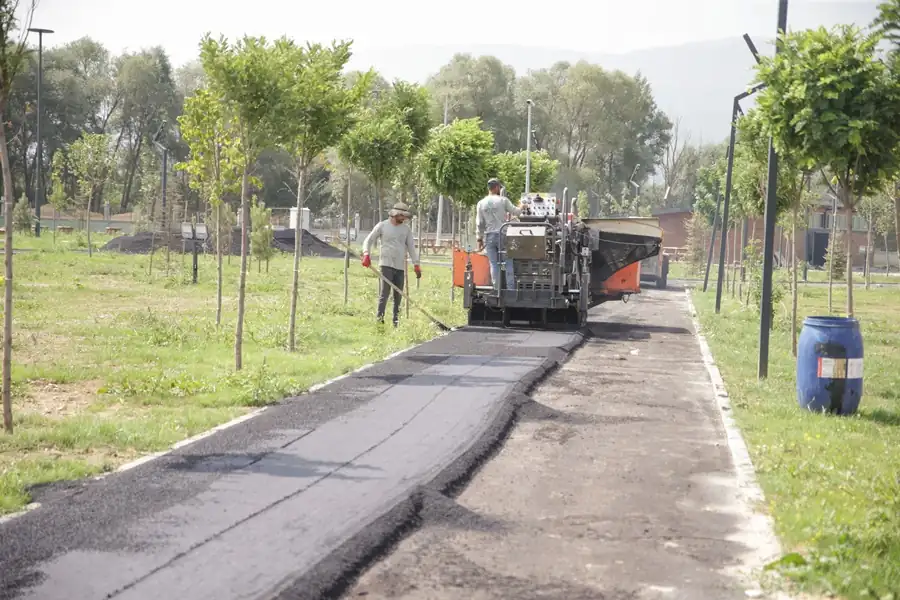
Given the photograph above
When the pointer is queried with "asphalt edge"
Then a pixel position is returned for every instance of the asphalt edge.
(147, 458)
(760, 528)
(332, 576)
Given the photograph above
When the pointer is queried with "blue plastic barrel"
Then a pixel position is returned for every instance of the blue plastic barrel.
(830, 365)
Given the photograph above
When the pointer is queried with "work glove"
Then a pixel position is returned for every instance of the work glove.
(418, 271)
(480, 245)
(366, 261)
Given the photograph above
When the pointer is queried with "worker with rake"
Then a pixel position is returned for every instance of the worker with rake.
(396, 241)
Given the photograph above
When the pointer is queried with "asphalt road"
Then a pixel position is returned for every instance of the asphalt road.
(287, 503)
(617, 483)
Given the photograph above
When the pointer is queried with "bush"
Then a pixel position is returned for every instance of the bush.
(754, 265)
(839, 256)
(23, 217)
(697, 241)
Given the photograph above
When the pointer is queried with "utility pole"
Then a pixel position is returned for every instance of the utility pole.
(440, 215)
(39, 196)
(530, 103)
(765, 315)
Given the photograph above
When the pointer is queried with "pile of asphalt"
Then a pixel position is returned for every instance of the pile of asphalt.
(433, 502)
(283, 240)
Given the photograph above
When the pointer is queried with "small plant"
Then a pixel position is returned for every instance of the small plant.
(754, 264)
(23, 217)
(697, 235)
(838, 254)
(261, 234)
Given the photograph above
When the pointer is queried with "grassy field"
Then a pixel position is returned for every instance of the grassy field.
(111, 363)
(831, 482)
(681, 270)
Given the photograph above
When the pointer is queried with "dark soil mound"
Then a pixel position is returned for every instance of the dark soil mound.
(144, 242)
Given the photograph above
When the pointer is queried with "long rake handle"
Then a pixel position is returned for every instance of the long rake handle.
(411, 303)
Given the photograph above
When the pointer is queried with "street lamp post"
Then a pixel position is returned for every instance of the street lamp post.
(765, 315)
(530, 103)
(39, 196)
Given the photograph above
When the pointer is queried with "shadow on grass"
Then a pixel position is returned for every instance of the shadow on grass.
(882, 417)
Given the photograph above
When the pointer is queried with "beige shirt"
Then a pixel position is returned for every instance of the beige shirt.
(396, 241)
(490, 214)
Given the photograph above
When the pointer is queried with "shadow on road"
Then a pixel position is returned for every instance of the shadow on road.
(632, 331)
(276, 464)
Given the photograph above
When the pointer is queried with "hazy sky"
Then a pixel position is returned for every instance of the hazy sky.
(608, 26)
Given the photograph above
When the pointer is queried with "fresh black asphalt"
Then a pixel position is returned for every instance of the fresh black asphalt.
(292, 502)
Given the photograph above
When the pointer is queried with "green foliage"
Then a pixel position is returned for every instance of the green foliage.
(510, 168)
(23, 216)
(58, 198)
(837, 253)
(247, 78)
(215, 150)
(261, 233)
(457, 159)
(318, 108)
(91, 160)
(829, 101)
(754, 266)
(710, 181)
(377, 145)
(751, 170)
(698, 231)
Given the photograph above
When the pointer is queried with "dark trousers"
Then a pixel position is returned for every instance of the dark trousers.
(397, 277)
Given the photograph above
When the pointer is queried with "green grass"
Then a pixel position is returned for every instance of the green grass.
(831, 482)
(110, 363)
(76, 240)
(681, 270)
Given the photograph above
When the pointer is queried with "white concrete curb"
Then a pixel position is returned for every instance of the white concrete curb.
(757, 533)
(186, 442)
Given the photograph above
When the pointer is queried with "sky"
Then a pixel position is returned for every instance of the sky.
(601, 26)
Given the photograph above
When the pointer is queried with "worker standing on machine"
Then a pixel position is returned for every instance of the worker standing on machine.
(490, 215)
(396, 240)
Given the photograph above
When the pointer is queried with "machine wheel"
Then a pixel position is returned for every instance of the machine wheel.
(663, 280)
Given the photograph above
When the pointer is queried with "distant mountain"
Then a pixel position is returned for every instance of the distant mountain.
(694, 82)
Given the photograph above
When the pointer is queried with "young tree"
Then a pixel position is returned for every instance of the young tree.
(246, 78)
(59, 200)
(830, 102)
(456, 160)
(92, 159)
(213, 163)
(318, 110)
(377, 145)
(261, 234)
(509, 167)
(409, 102)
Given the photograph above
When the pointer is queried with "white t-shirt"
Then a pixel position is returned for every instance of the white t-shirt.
(396, 241)
(490, 214)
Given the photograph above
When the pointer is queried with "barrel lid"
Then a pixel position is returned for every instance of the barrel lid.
(831, 321)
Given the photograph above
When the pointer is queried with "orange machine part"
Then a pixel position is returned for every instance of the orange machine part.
(625, 281)
(481, 268)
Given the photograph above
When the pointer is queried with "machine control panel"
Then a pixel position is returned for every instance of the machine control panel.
(538, 204)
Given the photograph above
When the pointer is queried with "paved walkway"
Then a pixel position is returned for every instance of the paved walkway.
(283, 502)
(616, 484)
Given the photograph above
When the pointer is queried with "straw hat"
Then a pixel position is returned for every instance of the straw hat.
(400, 209)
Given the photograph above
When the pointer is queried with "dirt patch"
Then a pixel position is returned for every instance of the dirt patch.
(59, 400)
(283, 240)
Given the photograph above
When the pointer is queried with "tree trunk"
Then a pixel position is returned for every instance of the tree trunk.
(452, 246)
(849, 253)
(242, 284)
(379, 192)
(347, 246)
(794, 291)
(869, 244)
(8, 283)
(887, 256)
(831, 241)
(298, 240)
(88, 221)
(219, 263)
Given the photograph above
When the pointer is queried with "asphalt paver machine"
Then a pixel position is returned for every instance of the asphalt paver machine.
(559, 265)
